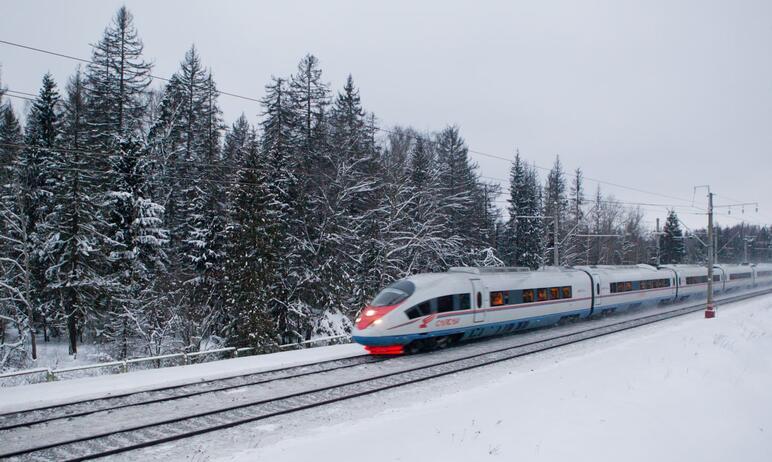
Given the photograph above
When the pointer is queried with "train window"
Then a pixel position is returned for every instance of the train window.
(413, 312)
(515, 297)
(497, 298)
(528, 296)
(566, 292)
(424, 308)
(716, 278)
(597, 287)
(464, 302)
(541, 294)
(554, 293)
(479, 299)
(628, 286)
(393, 294)
(445, 303)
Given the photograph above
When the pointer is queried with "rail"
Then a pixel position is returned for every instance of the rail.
(123, 366)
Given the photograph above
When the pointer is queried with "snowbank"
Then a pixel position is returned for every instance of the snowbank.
(43, 394)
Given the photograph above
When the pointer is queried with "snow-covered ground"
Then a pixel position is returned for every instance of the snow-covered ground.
(685, 389)
(50, 393)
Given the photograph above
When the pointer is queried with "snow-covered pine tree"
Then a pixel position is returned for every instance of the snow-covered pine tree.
(72, 240)
(427, 246)
(39, 176)
(529, 238)
(186, 138)
(116, 80)
(137, 255)
(281, 249)
(313, 169)
(11, 142)
(518, 188)
(248, 273)
(672, 247)
(16, 296)
(555, 206)
(238, 140)
(353, 195)
(463, 197)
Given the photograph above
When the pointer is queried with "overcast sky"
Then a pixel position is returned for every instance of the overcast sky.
(658, 95)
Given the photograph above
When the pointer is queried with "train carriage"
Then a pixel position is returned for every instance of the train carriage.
(762, 274)
(738, 277)
(626, 287)
(693, 280)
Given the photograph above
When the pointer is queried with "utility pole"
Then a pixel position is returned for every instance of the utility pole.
(710, 309)
(556, 255)
(658, 236)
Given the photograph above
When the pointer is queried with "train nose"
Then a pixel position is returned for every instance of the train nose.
(372, 316)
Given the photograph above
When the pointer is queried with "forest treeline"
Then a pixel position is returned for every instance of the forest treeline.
(131, 216)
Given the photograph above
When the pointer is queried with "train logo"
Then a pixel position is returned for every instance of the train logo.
(425, 321)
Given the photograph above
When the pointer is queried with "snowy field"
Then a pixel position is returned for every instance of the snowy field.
(685, 389)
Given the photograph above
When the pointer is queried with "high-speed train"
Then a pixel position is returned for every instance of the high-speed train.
(431, 310)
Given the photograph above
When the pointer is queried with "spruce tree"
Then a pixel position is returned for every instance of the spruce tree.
(39, 177)
(354, 195)
(518, 190)
(187, 138)
(72, 238)
(555, 206)
(672, 247)
(248, 273)
(463, 197)
(137, 254)
(116, 80)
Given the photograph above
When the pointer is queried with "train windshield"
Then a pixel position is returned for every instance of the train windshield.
(394, 294)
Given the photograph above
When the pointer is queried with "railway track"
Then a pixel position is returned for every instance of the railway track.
(80, 408)
(140, 436)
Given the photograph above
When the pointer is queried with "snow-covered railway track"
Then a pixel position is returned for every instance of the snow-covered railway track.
(80, 408)
(140, 436)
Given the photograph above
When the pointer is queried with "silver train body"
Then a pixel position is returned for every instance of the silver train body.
(426, 310)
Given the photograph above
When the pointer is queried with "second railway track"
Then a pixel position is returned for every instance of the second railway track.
(172, 429)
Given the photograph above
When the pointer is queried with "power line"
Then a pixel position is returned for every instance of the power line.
(384, 130)
(21, 93)
(26, 98)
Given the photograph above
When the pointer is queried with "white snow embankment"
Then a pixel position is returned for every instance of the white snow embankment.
(685, 389)
(52, 393)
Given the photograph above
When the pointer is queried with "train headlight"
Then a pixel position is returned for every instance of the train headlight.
(372, 315)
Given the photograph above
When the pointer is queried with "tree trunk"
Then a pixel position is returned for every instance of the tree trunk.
(72, 325)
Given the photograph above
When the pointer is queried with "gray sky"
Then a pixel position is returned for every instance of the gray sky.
(658, 95)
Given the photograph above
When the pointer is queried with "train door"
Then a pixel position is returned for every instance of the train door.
(480, 300)
(596, 285)
(723, 275)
